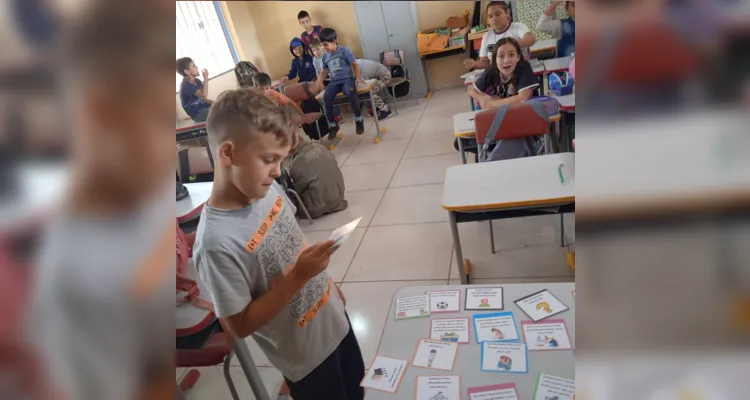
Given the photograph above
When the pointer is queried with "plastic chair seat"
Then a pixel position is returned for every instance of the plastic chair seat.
(396, 81)
(213, 352)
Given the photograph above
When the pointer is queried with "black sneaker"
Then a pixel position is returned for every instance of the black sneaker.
(332, 132)
(360, 127)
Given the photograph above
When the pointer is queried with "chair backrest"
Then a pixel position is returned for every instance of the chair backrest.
(301, 91)
(520, 120)
(392, 58)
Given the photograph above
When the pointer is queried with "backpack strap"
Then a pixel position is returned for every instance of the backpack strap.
(307, 90)
(494, 128)
(190, 286)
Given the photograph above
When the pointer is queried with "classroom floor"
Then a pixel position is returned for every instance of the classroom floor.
(404, 237)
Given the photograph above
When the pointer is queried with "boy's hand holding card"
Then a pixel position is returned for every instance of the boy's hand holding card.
(340, 235)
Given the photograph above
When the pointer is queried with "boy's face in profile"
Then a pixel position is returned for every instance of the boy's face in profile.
(306, 23)
(317, 51)
(256, 164)
(329, 47)
(570, 8)
(298, 51)
(192, 70)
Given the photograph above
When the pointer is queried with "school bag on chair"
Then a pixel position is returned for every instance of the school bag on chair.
(398, 70)
(514, 129)
(561, 83)
(244, 71)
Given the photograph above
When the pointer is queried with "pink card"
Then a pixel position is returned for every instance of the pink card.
(505, 391)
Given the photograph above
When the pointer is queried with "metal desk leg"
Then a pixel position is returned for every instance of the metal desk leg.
(492, 237)
(562, 230)
(461, 149)
(457, 249)
(251, 373)
(472, 104)
(378, 133)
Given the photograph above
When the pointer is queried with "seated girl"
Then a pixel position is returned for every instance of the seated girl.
(508, 80)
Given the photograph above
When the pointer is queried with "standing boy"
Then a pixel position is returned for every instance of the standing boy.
(311, 31)
(193, 92)
(340, 64)
(375, 70)
(302, 64)
(317, 51)
(264, 279)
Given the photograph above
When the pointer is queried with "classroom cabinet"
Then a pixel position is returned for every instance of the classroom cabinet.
(388, 25)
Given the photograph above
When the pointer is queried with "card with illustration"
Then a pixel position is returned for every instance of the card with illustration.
(486, 298)
(540, 305)
(552, 334)
(505, 357)
(438, 387)
(413, 307)
(505, 391)
(445, 301)
(496, 327)
(450, 330)
(385, 374)
(549, 387)
(340, 235)
(435, 354)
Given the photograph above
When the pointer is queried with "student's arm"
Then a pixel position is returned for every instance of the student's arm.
(477, 95)
(323, 75)
(204, 89)
(260, 311)
(292, 72)
(357, 72)
(476, 91)
(522, 96)
(527, 38)
(547, 24)
(483, 62)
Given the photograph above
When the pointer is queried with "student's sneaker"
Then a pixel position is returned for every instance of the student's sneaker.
(339, 120)
(384, 114)
(332, 132)
(360, 126)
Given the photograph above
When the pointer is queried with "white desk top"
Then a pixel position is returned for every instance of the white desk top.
(528, 181)
(567, 102)
(199, 193)
(40, 187)
(360, 89)
(543, 45)
(557, 64)
(672, 164)
(463, 124)
(188, 123)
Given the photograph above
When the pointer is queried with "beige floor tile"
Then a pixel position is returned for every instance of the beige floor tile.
(259, 358)
(436, 125)
(367, 304)
(539, 261)
(403, 252)
(341, 152)
(387, 150)
(361, 204)
(429, 145)
(409, 205)
(397, 127)
(211, 385)
(424, 170)
(368, 176)
(179, 372)
(342, 258)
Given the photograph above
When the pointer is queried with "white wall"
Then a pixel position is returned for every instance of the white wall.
(216, 85)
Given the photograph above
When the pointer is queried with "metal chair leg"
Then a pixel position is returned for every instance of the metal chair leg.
(562, 231)
(301, 205)
(178, 393)
(393, 94)
(317, 127)
(228, 376)
(492, 238)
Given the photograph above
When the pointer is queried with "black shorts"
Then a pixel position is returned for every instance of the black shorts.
(337, 378)
(197, 340)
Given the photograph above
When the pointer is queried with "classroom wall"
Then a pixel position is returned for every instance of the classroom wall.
(244, 33)
(446, 71)
(529, 11)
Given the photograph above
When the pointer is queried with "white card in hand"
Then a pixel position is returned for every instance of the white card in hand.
(340, 235)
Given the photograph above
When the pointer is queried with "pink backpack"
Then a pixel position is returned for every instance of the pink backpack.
(184, 252)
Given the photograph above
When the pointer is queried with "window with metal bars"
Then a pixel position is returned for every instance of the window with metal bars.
(202, 35)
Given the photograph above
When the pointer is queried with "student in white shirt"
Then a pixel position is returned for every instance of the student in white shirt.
(564, 30)
(499, 18)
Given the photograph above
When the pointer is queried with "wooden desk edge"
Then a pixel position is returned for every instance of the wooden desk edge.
(442, 50)
(514, 204)
(465, 134)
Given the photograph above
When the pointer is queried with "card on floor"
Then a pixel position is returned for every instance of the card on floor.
(340, 235)
(435, 354)
(450, 330)
(505, 357)
(487, 298)
(553, 387)
(438, 387)
(551, 334)
(445, 301)
(413, 307)
(497, 327)
(540, 305)
(505, 391)
(385, 374)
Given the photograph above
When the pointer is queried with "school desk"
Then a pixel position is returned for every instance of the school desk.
(187, 129)
(190, 207)
(364, 92)
(567, 106)
(542, 46)
(400, 338)
(463, 129)
(515, 188)
(38, 189)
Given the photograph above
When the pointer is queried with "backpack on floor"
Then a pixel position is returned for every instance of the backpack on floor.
(398, 71)
(244, 71)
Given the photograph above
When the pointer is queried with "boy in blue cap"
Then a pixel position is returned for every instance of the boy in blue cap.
(302, 64)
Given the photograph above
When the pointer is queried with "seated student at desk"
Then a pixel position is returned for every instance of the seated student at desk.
(499, 17)
(508, 80)
(193, 92)
(563, 30)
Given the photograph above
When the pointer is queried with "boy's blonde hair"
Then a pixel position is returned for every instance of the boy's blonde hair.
(315, 43)
(239, 115)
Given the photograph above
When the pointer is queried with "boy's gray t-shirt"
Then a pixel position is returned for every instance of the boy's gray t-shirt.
(372, 69)
(318, 64)
(339, 63)
(241, 254)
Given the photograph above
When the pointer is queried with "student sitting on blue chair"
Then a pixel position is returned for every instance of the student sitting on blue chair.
(564, 30)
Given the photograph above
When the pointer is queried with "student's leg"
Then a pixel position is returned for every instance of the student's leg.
(349, 87)
(324, 382)
(352, 365)
(381, 83)
(328, 98)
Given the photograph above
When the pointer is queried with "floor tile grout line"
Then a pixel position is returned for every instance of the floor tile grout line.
(532, 278)
(396, 187)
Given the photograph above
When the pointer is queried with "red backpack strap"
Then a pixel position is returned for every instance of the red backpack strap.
(190, 286)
